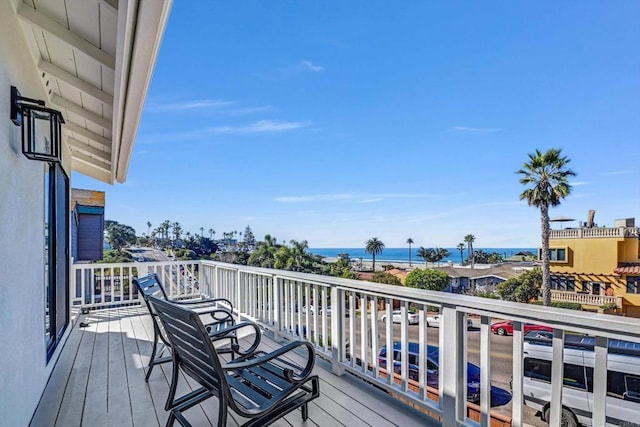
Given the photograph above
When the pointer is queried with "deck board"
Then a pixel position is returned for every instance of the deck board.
(99, 381)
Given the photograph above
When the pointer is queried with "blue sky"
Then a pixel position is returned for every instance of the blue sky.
(334, 122)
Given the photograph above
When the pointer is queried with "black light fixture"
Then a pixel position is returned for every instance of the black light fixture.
(41, 127)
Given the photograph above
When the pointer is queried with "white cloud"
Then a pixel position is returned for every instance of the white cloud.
(250, 110)
(262, 126)
(307, 65)
(358, 198)
(191, 105)
(301, 67)
(622, 172)
(472, 130)
(316, 198)
(579, 183)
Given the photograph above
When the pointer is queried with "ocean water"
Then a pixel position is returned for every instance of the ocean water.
(402, 254)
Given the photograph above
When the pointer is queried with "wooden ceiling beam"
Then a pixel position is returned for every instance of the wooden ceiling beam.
(42, 21)
(72, 127)
(75, 82)
(85, 114)
(83, 146)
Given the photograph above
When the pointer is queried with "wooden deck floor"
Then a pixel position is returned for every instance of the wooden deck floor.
(99, 381)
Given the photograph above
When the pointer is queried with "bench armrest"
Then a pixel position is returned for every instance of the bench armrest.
(267, 357)
(232, 332)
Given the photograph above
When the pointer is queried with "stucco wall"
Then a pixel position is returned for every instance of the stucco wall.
(23, 367)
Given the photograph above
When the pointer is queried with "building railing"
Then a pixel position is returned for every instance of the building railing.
(594, 232)
(586, 299)
(341, 317)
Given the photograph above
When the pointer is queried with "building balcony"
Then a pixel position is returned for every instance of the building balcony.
(585, 299)
(595, 233)
(100, 375)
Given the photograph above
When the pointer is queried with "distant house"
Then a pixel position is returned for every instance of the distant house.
(465, 279)
(87, 224)
(596, 266)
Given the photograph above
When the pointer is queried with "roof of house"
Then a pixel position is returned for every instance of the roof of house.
(95, 59)
(628, 269)
(502, 271)
(87, 197)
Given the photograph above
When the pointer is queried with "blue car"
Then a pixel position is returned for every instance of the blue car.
(499, 396)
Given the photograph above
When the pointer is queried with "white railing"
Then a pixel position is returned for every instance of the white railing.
(586, 299)
(594, 232)
(341, 318)
(110, 285)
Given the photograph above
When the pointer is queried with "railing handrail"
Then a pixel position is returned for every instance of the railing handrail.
(617, 327)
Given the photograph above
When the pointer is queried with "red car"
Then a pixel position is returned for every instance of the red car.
(506, 328)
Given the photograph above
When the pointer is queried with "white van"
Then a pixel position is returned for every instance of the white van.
(623, 381)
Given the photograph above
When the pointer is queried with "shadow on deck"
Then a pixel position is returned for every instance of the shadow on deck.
(99, 381)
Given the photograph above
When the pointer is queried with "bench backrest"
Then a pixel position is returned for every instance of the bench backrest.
(149, 285)
(191, 344)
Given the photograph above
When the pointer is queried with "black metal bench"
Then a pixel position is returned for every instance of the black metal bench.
(256, 385)
(222, 315)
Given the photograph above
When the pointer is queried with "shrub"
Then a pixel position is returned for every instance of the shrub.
(562, 304)
(432, 280)
(386, 277)
(609, 306)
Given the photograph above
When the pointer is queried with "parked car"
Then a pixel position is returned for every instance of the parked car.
(499, 396)
(396, 317)
(506, 328)
(434, 321)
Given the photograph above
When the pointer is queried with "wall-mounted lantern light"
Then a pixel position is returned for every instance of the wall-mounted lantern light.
(41, 127)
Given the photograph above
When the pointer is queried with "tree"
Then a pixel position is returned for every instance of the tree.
(461, 248)
(424, 253)
(374, 247)
(431, 280)
(177, 231)
(211, 233)
(119, 235)
(148, 228)
(546, 176)
(469, 239)
(249, 239)
(265, 253)
(522, 288)
(440, 254)
(409, 242)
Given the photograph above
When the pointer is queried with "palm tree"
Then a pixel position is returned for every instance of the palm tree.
(461, 248)
(211, 233)
(469, 239)
(374, 247)
(441, 253)
(410, 242)
(148, 228)
(546, 176)
(424, 253)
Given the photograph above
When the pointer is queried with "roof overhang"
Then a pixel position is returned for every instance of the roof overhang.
(95, 59)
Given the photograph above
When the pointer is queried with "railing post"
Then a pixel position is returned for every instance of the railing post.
(452, 366)
(337, 341)
(275, 306)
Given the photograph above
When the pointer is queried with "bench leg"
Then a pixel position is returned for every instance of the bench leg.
(305, 412)
(174, 386)
(222, 410)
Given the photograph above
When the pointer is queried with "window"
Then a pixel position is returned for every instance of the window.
(56, 249)
(574, 375)
(560, 283)
(557, 254)
(633, 285)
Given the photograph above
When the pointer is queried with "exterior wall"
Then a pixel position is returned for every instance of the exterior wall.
(24, 370)
(594, 260)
